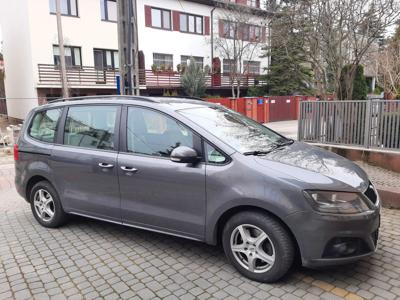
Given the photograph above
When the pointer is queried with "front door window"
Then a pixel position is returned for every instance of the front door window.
(152, 133)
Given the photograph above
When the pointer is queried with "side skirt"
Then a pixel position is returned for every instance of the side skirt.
(137, 226)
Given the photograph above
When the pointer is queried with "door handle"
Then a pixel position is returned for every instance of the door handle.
(129, 169)
(105, 165)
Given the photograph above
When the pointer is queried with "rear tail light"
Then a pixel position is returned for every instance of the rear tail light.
(16, 153)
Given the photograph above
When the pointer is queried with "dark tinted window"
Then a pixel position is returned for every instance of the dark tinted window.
(91, 127)
(44, 125)
(153, 133)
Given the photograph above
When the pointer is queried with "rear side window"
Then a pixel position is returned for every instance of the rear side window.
(44, 125)
(91, 127)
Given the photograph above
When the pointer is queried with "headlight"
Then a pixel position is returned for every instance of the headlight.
(337, 202)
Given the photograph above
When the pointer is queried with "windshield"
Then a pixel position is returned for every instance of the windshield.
(239, 132)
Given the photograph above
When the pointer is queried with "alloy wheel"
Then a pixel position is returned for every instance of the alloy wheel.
(252, 248)
(44, 205)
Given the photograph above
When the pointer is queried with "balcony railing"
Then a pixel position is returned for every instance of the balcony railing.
(81, 76)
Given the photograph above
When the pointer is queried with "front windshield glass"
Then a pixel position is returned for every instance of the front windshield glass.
(239, 132)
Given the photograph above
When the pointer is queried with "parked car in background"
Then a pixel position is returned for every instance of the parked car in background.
(200, 171)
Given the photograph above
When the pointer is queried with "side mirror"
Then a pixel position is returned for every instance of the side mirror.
(183, 154)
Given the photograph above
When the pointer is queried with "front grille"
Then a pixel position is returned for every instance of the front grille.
(371, 194)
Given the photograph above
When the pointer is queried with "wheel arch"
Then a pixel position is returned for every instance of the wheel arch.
(224, 217)
(31, 183)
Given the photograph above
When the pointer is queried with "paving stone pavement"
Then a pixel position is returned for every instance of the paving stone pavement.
(88, 259)
(380, 176)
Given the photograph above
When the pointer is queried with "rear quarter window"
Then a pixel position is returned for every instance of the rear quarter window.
(44, 125)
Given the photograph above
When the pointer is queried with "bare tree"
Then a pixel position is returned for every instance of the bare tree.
(387, 68)
(339, 33)
(241, 39)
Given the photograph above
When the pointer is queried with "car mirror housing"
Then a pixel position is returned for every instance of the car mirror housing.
(183, 154)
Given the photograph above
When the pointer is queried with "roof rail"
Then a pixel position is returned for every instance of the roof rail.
(183, 97)
(118, 97)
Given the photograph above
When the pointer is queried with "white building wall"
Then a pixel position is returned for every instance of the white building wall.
(19, 82)
(152, 40)
(30, 31)
(87, 31)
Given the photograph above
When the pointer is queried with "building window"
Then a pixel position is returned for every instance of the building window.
(68, 7)
(197, 59)
(106, 59)
(254, 33)
(108, 10)
(245, 32)
(72, 55)
(190, 23)
(253, 3)
(160, 18)
(229, 66)
(163, 60)
(229, 29)
(251, 67)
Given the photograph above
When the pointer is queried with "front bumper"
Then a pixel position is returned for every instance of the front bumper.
(322, 237)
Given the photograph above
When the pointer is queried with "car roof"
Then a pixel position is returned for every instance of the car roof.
(174, 102)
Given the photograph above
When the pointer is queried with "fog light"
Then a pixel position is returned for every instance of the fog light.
(345, 247)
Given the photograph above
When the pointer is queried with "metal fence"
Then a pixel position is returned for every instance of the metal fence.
(363, 123)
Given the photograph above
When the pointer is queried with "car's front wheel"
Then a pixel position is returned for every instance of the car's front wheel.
(258, 246)
(46, 205)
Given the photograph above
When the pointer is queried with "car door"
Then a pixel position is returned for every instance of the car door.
(157, 193)
(85, 161)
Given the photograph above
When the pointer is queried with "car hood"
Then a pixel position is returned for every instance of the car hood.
(315, 166)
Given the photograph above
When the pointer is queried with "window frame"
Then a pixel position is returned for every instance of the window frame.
(227, 161)
(172, 59)
(104, 6)
(69, 9)
(104, 51)
(117, 126)
(56, 131)
(247, 63)
(162, 10)
(195, 23)
(73, 56)
(194, 57)
(123, 146)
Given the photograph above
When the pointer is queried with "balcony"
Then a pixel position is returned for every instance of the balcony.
(90, 77)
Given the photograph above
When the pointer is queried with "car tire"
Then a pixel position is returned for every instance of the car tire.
(46, 205)
(266, 252)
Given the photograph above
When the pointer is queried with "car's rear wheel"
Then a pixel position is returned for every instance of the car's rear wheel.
(46, 206)
(258, 246)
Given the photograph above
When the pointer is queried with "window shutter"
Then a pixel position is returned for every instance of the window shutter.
(263, 35)
(147, 15)
(176, 20)
(207, 25)
(221, 27)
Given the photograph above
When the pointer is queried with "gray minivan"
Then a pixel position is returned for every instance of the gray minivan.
(200, 171)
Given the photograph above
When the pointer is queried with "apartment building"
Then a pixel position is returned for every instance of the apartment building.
(169, 33)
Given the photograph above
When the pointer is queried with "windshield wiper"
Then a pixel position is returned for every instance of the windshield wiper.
(256, 153)
(286, 143)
